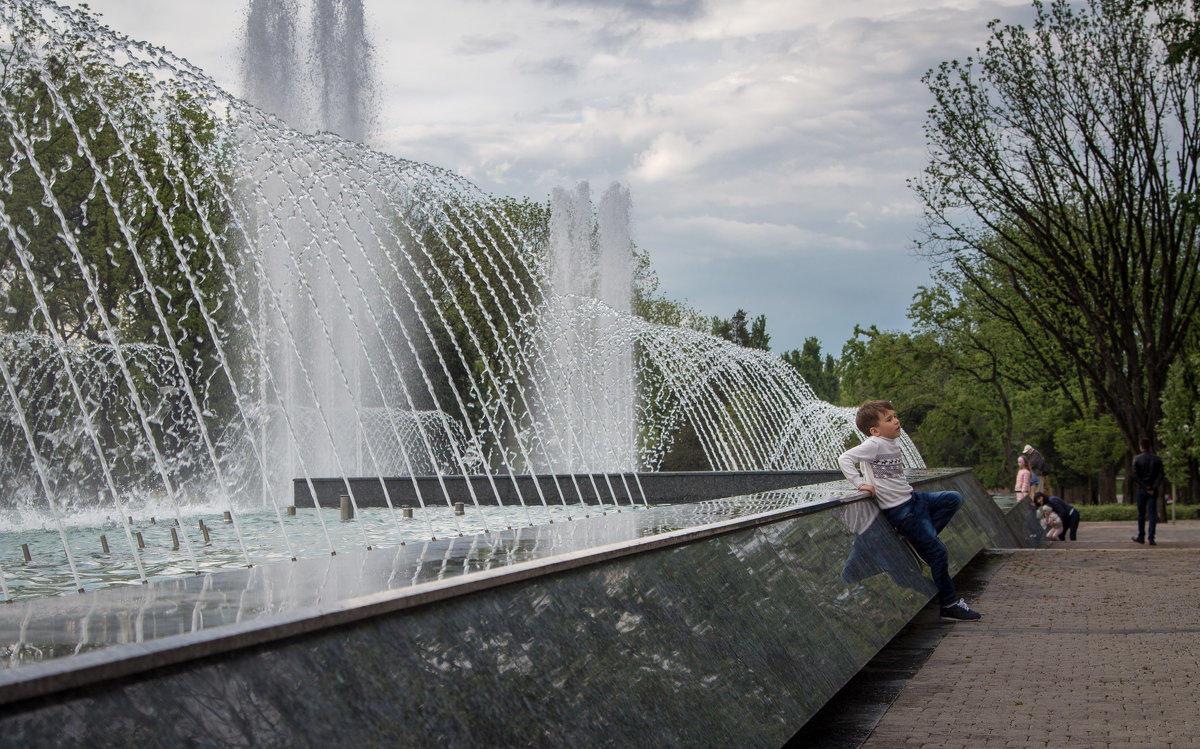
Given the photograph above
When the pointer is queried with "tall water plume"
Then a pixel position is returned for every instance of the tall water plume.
(342, 68)
(329, 87)
(271, 71)
(322, 79)
(588, 393)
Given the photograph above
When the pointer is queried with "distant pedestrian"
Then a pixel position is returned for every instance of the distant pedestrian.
(1023, 478)
(1067, 514)
(1039, 466)
(1148, 475)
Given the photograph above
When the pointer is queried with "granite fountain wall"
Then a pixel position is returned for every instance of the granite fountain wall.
(711, 624)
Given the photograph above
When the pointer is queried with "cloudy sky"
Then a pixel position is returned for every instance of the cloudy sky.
(766, 143)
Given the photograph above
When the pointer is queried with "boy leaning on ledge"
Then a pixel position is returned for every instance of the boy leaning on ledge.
(918, 516)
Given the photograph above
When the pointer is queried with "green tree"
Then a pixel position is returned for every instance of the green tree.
(1057, 158)
(58, 144)
(951, 416)
(1179, 430)
(895, 366)
(650, 304)
(966, 390)
(478, 291)
(97, 164)
(743, 331)
(114, 191)
(1179, 25)
(822, 377)
(1090, 446)
(1021, 393)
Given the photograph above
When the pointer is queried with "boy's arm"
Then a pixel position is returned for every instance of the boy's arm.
(849, 460)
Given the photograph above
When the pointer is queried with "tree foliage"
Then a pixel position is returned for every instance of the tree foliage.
(479, 290)
(1179, 430)
(740, 329)
(115, 191)
(821, 376)
(88, 185)
(943, 412)
(1177, 21)
(968, 389)
(1058, 160)
(650, 304)
(1089, 446)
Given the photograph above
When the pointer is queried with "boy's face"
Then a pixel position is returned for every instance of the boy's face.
(888, 426)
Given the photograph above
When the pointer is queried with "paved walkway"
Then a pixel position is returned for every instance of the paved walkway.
(1093, 643)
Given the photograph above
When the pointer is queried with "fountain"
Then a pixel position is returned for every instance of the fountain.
(207, 315)
(203, 305)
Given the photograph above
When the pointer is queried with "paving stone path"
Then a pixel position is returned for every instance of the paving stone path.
(1094, 643)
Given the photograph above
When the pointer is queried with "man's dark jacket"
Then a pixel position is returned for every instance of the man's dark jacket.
(1148, 470)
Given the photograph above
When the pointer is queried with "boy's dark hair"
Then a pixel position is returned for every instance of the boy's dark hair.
(1145, 443)
(1039, 496)
(869, 415)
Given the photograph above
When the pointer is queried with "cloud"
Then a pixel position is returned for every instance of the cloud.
(668, 156)
(658, 10)
(557, 67)
(716, 237)
(483, 44)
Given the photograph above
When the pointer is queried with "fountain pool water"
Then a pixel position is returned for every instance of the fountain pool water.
(163, 558)
(199, 304)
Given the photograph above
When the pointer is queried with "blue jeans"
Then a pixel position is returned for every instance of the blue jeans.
(920, 520)
(1147, 505)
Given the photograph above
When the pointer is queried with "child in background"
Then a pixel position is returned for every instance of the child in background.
(1050, 521)
(1024, 476)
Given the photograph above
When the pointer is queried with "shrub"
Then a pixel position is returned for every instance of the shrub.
(1128, 512)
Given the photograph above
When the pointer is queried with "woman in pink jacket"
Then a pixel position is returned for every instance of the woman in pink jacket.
(1023, 478)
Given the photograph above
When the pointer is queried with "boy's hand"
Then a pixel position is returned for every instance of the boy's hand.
(868, 489)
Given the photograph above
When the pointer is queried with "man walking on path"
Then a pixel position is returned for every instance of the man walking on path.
(1148, 475)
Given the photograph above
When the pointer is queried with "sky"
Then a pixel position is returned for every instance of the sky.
(767, 144)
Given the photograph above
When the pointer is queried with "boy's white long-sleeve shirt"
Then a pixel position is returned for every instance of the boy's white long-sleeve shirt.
(882, 466)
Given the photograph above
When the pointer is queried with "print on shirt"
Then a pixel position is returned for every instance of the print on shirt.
(888, 468)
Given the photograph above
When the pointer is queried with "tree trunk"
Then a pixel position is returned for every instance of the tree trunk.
(1191, 490)
(1129, 490)
(1077, 495)
(1106, 486)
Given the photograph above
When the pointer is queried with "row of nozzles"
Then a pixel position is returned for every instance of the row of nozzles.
(346, 507)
